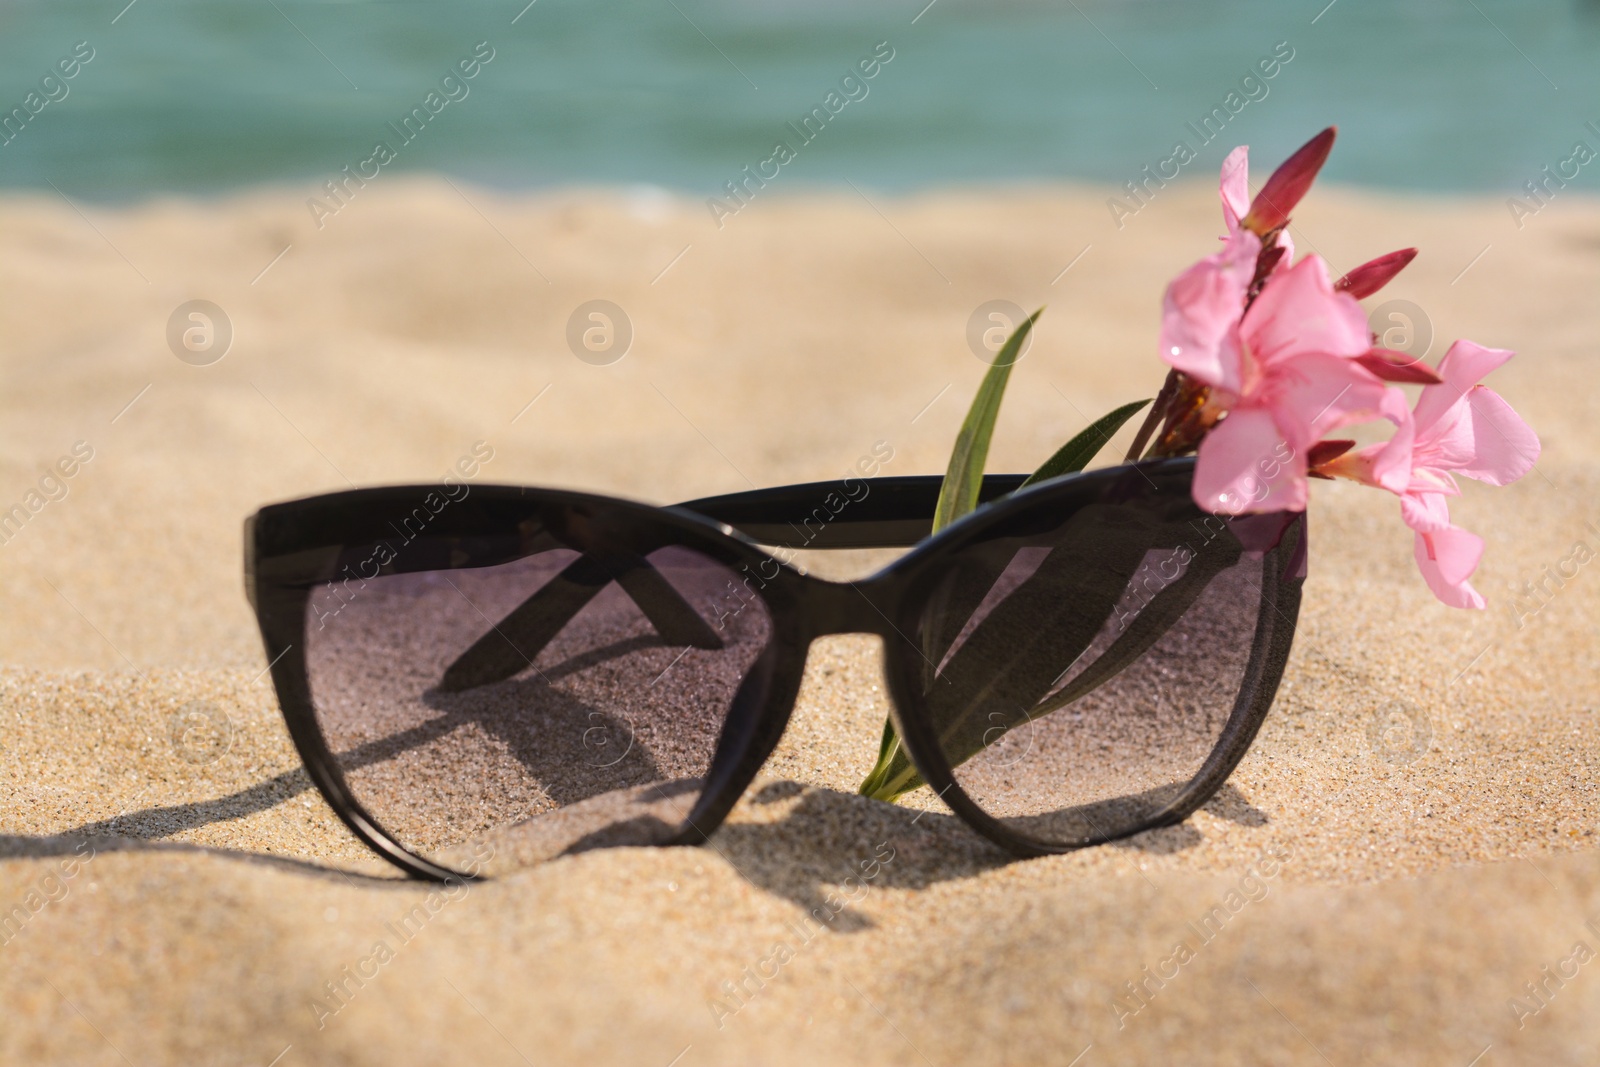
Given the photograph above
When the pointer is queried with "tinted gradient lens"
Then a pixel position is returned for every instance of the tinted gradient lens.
(552, 703)
(1080, 669)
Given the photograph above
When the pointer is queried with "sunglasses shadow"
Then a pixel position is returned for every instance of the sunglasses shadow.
(818, 854)
(1228, 803)
(71, 844)
(164, 821)
(829, 845)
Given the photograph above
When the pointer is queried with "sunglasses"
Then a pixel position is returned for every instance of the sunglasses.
(554, 671)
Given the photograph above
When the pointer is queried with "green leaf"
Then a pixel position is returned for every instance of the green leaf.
(958, 495)
(893, 774)
(888, 749)
(1076, 453)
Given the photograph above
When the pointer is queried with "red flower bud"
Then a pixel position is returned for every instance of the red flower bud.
(1394, 366)
(1270, 209)
(1375, 274)
(1325, 452)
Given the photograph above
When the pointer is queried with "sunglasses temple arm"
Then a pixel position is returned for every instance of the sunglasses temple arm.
(884, 512)
(962, 740)
(512, 645)
(1149, 626)
(1011, 658)
(674, 619)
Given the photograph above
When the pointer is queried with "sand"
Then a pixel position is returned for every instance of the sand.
(1407, 847)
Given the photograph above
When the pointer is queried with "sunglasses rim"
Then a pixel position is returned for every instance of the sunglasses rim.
(292, 547)
(1277, 613)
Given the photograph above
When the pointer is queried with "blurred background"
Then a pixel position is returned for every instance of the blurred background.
(162, 159)
(204, 97)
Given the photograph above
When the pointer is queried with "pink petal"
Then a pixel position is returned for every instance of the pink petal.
(1391, 467)
(1245, 465)
(1468, 362)
(1314, 393)
(1504, 448)
(1298, 312)
(1425, 512)
(1235, 186)
(1358, 465)
(1201, 305)
(1393, 407)
(1386, 465)
(1447, 559)
(1465, 365)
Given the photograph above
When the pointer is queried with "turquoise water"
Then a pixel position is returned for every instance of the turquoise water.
(211, 95)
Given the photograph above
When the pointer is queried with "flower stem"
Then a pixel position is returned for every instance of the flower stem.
(1153, 418)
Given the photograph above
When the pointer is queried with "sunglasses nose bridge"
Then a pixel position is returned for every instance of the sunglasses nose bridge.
(845, 608)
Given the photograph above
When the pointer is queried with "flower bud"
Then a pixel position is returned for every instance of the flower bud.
(1271, 207)
(1375, 274)
(1394, 366)
(1323, 453)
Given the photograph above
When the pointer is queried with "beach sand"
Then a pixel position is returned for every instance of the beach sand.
(1408, 845)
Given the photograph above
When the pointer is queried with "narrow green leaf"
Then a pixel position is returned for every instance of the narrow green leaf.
(1076, 453)
(958, 495)
(893, 774)
(887, 750)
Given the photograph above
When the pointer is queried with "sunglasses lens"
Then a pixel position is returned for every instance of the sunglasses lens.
(1079, 669)
(550, 704)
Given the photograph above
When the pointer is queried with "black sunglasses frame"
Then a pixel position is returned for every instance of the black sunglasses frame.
(292, 548)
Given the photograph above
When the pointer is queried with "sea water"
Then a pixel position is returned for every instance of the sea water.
(204, 96)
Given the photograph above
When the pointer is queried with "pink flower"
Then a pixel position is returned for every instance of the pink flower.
(1267, 358)
(1287, 374)
(1205, 301)
(1457, 427)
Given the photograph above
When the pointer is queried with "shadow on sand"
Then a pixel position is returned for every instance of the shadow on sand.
(825, 838)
